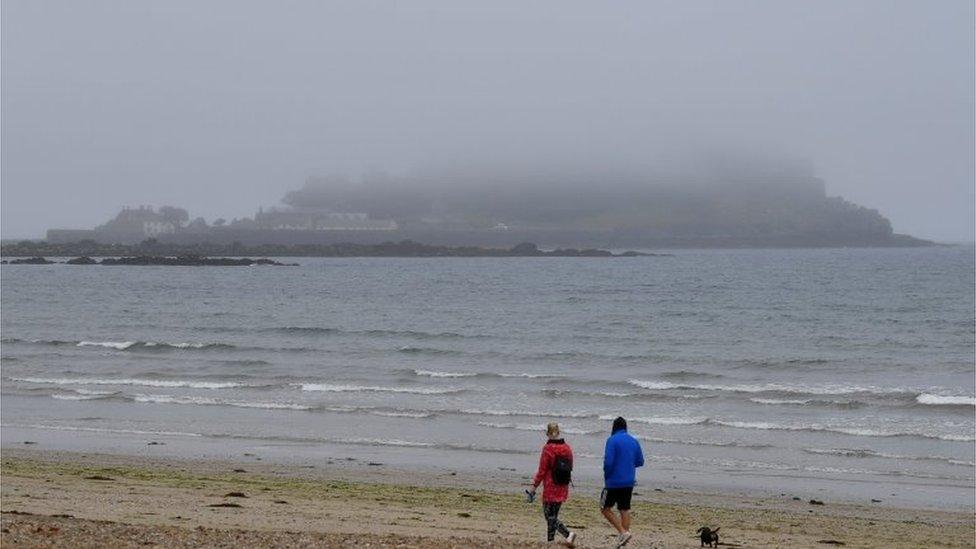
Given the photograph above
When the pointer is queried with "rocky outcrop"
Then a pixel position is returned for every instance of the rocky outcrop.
(190, 261)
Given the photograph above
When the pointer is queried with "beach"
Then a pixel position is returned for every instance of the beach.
(67, 499)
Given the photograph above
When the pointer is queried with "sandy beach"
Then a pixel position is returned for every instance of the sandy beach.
(63, 499)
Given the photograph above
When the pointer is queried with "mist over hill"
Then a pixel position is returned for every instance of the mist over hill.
(741, 206)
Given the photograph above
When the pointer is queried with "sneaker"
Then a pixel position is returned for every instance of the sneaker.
(623, 539)
(571, 539)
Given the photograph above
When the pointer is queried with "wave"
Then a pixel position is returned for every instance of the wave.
(435, 373)
(137, 382)
(525, 413)
(302, 330)
(428, 351)
(866, 453)
(207, 401)
(689, 374)
(128, 345)
(850, 404)
(243, 362)
(779, 401)
(53, 342)
(853, 431)
(84, 394)
(152, 345)
(330, 388)
(666, 420)
(941, 400)
(537, 427)
(721, 444)
(404, 413)
(772, 388)
(314, 330)
(104, 430)
(558, 393)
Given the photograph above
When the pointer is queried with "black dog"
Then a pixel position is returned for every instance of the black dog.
(709, 537)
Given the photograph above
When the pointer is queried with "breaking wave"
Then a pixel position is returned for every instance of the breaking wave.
(137, 382)
(331, 388)
(940, 400)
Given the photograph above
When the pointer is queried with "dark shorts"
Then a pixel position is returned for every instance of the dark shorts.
(619, 497)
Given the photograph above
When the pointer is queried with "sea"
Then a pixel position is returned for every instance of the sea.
(838, 374)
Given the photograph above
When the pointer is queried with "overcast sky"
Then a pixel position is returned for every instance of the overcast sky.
(222, 106)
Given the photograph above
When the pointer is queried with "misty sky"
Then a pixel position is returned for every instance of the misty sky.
(222, 106)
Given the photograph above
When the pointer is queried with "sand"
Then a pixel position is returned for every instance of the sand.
(63, 499)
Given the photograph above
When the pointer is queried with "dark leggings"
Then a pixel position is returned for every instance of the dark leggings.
(551, 512)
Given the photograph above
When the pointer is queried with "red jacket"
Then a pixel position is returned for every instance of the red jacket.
(552, 492)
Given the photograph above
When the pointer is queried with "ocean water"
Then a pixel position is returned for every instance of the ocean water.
(849, 371)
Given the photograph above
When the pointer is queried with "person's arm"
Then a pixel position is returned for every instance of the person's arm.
(609, 456)
(542, 471)
(639, 457)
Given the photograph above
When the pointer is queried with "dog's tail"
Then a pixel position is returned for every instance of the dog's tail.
(716, 530)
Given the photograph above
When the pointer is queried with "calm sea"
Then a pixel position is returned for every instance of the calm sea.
(846, 371)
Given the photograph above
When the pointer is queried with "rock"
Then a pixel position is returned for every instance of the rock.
(29, 442)
(831, 542)
(239, 471)
(225, 504)
(235, 495)
(525, 249)
(189, 261)
(31, 261)
(98, 477)
(816, 502)
(83, 260)
(464, 515)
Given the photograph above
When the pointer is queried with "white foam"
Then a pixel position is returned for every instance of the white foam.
(82, 394)
(943, 400)
(137, 382)
(326, 387)
(415, 415)
(478, 412)
(534, 427)
(769, 387)
(853, 431)
(385, 442)
(102, 430)
(778, 401)
(434, 373)
(207, 401)
(666, 420)
(119, 345)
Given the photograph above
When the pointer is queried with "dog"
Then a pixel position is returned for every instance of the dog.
(709, 537)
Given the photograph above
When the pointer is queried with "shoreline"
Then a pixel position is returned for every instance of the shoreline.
(378, 504)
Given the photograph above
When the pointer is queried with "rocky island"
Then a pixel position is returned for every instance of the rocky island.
(151, 252)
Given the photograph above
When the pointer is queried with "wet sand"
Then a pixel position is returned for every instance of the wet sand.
(63, 499)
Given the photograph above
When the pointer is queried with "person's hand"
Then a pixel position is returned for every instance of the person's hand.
(532, 490)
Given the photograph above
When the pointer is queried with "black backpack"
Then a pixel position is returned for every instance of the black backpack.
(562, 470)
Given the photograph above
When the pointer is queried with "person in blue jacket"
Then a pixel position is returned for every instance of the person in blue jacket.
(621, 458)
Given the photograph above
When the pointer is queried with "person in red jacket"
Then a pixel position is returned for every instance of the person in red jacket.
(555, 475)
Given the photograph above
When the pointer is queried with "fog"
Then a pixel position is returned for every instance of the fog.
(221, 107)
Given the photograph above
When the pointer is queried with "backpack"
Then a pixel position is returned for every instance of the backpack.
(562, 470)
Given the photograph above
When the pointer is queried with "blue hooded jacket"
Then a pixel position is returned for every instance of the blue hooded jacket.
(621, 458)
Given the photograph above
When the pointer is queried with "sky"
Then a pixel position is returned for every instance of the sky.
(223, 106)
